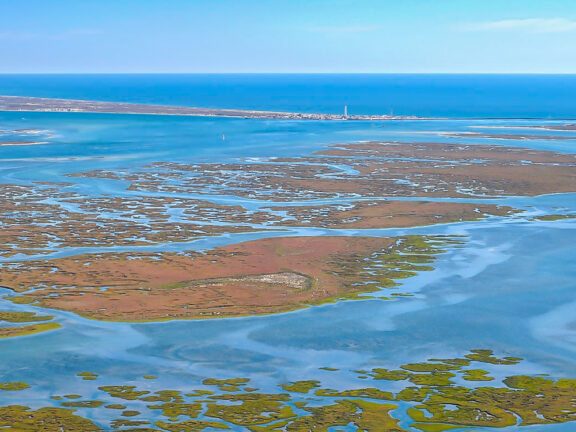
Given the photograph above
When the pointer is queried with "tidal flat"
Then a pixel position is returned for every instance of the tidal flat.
(434, 396)
(300, 276)
(259, 277)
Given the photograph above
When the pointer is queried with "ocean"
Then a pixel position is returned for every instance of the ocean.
(493, 96)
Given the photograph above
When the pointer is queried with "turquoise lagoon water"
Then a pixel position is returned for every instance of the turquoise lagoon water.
(511, 288)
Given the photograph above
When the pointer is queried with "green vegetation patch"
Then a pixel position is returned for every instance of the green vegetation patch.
(476, 375)
(23, 299)
(14, 386)
(164, 396)
(175, 410)
(251, 412)
(254, 397)
(433, 379)
(367, 416)
(124, 392)
(231, 384)
(388, 375)
(369, 393)
(191, 426)
(300, 386)
(20, 419)
(22, 317)
(431, 427)
(6, 332)
(383, 269)
(130, 423)
(433, 402)
(116, 406)
(487, 356)
(554, 217)
(83, 404)
(429, 367)
(87, 376)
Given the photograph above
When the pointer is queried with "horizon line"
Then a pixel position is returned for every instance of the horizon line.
(289, 73)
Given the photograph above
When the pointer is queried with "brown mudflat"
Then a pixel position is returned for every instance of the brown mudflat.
(32, 226)
(514, 137)
(553, 127)
(388, 214)
(383, 169)
(256, 277)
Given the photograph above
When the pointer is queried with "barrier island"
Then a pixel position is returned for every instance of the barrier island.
(35, 104)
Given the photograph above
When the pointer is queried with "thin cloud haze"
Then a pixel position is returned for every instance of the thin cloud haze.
(344, 29)
(68, 34)
(533, 25)
(335, 36)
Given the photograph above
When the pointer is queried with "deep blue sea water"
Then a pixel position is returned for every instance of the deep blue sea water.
(511, 288)
(510, 96)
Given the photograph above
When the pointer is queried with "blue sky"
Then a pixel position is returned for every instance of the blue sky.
(384, 36)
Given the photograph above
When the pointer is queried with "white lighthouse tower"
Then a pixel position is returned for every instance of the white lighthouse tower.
(346, 111)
